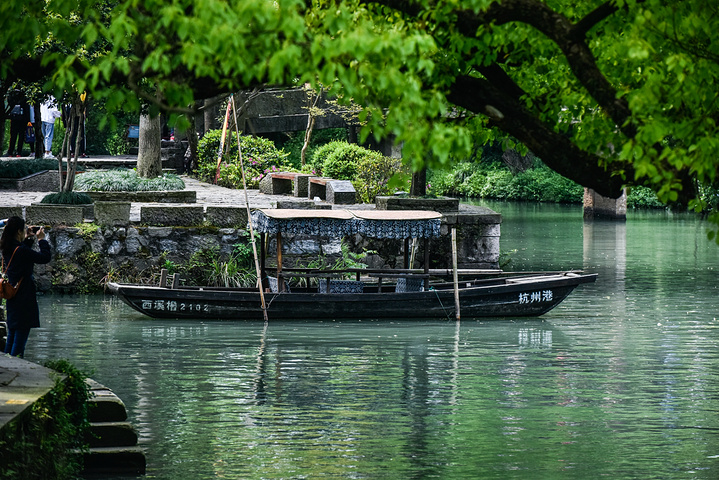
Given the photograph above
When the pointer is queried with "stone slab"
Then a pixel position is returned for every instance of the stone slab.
(441, 204)
(11, 211)
(170, 196)
(341, 192)
(301, 185)
(186, 215)
(222, 216)
(49, 214)
(112, 213)
(115, 461)
(23, 384)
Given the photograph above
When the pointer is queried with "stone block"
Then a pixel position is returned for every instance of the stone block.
(112, 213)
(317, 188)
(440, 204)
(169, 196)
(10, 211)
(301, 185)
(341, 192)
(53, 214)
(302, 204)
(175, 215)
(266, 185)
(227, 216)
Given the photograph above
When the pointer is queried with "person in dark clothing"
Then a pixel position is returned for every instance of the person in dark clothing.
(19, 258)
(20, 116)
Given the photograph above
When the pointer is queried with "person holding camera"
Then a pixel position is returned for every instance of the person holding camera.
(19, 259)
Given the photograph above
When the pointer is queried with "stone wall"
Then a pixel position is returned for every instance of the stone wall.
(84, 257)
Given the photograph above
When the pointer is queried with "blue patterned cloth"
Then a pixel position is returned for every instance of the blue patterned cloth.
(341, 286)
(340, 223)
(409, 285)
(398, 229)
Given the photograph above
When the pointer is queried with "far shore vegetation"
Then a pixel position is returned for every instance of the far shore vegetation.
(490, 174)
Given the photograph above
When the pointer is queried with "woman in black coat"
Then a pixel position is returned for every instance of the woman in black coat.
(19, 259)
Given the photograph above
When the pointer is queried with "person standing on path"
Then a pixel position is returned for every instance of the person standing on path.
(20, 116)
(49, 113)
(19, 258)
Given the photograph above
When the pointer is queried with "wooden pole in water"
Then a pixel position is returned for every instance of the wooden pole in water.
(454, 272)
(249, 213)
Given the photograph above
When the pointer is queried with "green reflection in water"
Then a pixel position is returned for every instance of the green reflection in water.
(620, 381)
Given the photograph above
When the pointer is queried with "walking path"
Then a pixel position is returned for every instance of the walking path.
(207, 194)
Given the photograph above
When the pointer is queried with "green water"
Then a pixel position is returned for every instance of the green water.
(620, 381)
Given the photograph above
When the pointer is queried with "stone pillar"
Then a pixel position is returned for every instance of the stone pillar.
(597, 206)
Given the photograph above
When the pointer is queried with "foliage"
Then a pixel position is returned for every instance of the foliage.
(369, 171)
(237, 271)
(49, 442)
(346, 260)
(643, 197)
(67, 198)
(126, 180)
(87, 230)
(374, 176)
(259, 157)
(294, 142)
(609, 94)
(208, 267)
(538, 184)
(19, 168)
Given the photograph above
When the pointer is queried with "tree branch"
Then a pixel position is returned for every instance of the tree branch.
(556, 150)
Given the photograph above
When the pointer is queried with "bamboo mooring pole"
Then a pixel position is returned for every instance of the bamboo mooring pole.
(249, 213)
(454, 272)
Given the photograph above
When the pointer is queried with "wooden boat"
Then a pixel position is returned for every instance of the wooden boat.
(409, 293)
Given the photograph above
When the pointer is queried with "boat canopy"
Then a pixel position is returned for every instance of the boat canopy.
(396, 224)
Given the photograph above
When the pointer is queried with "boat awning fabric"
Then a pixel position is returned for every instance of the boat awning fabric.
(397, 224)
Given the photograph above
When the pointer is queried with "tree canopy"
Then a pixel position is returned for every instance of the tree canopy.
(609, 94)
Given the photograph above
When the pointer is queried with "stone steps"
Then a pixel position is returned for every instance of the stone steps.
(112, 439)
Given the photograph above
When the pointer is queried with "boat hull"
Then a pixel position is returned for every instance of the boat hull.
(509, 297)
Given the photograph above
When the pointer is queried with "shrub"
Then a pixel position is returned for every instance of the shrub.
(293, 145)
(259, 156)
(24, 167)
(67, 198)
(341, 163)
(538, 184)
(643, 197)
(373, 176)
(125, 180)
(318, 157)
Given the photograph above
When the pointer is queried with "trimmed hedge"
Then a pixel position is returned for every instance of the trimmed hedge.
(369, 171)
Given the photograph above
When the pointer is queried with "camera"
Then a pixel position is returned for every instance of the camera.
(34, 229)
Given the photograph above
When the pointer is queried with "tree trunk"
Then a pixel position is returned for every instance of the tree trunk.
(419, 183)
(149, 160)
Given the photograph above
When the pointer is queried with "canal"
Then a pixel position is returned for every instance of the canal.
(620, 381)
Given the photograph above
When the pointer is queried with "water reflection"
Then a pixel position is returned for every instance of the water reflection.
(618, 381)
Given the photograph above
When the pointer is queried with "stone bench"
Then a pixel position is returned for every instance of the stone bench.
(317, 187)
(285, 183)
(339, 192)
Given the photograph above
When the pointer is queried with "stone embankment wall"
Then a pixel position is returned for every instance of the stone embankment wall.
(83, 258)
(86, 256)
